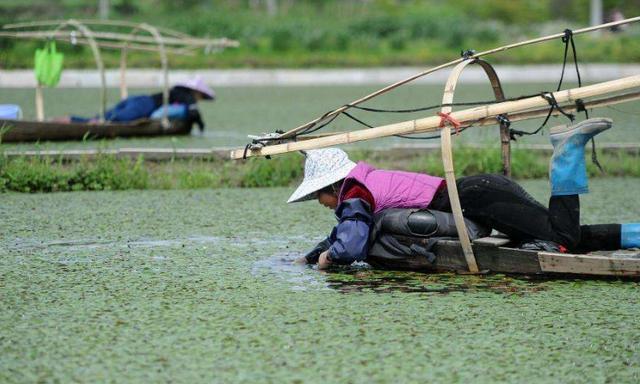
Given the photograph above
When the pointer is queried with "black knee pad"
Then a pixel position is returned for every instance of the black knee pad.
(422, 223)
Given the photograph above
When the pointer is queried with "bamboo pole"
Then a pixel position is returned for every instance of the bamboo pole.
(164, 64)
(430, 124)
(123, 74)
(534, 114)
(104, 44)
(390, 87)
(39, 103)
(599, 103)
(447, 163)
(114, 36)
(117, 23)
(96, 54)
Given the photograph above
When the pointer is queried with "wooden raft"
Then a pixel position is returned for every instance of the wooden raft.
(25, 131)
(494, 254)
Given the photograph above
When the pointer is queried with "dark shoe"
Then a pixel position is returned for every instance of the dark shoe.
(542, 245)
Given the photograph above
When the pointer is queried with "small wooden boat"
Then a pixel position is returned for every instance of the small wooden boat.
(494, 254)
(21, 131)
(109, 34)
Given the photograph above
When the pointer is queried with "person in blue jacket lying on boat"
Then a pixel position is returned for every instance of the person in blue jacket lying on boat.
(183, 99)
(366, 202)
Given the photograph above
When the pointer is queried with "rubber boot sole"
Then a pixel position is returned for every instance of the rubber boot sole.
(589, 126)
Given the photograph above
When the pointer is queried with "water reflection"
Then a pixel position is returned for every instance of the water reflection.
(281, 265)
(93, 244)
(360, 277)
(380, 281)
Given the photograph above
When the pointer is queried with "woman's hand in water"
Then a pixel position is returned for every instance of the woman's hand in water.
(301, 261)
(323, 261)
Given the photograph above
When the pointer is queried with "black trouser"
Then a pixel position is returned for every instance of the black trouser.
(500, 203)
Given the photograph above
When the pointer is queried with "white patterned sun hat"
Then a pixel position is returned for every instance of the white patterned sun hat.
(197, 83)
(322, 168)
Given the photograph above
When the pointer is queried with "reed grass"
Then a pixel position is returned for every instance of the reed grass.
(106, 172)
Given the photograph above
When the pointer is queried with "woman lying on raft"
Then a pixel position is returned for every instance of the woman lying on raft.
(183, 100)
(369, 202)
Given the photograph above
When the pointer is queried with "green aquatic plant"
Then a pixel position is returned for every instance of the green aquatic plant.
(158, 286)
(106, 171)
(4, 129)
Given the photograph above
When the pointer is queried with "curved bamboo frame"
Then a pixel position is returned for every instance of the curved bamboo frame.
(88, 34)
(447, 152)
(162, 40)
(153, 31)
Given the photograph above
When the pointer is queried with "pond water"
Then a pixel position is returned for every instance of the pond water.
(186, 286)
(240, 111)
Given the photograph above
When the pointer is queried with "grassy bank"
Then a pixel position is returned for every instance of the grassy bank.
(339, 33)
(106, 172)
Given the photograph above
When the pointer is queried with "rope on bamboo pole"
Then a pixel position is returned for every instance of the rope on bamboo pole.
(390, 87)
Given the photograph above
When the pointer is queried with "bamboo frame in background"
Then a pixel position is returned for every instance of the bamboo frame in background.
(180, 43)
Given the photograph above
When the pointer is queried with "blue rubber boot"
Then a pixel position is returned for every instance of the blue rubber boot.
(630, 236)
(568, 169)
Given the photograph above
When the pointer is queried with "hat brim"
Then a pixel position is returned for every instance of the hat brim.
(308, 188)
(207, 94)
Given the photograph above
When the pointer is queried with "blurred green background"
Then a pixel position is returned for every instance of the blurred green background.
(339, 33)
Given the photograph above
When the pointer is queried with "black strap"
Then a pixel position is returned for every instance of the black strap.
(553, 103)
(503, 120)
(467, 54)
(356, 119)
(246, 150)
(567, 39)
(551, 99)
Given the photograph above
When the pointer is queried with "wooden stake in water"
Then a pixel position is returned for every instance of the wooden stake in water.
(39, 103)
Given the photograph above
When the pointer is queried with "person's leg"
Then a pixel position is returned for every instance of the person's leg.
(600, 237)
(132, 108)
(502, 204)
(568, 179)
(609, 237)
